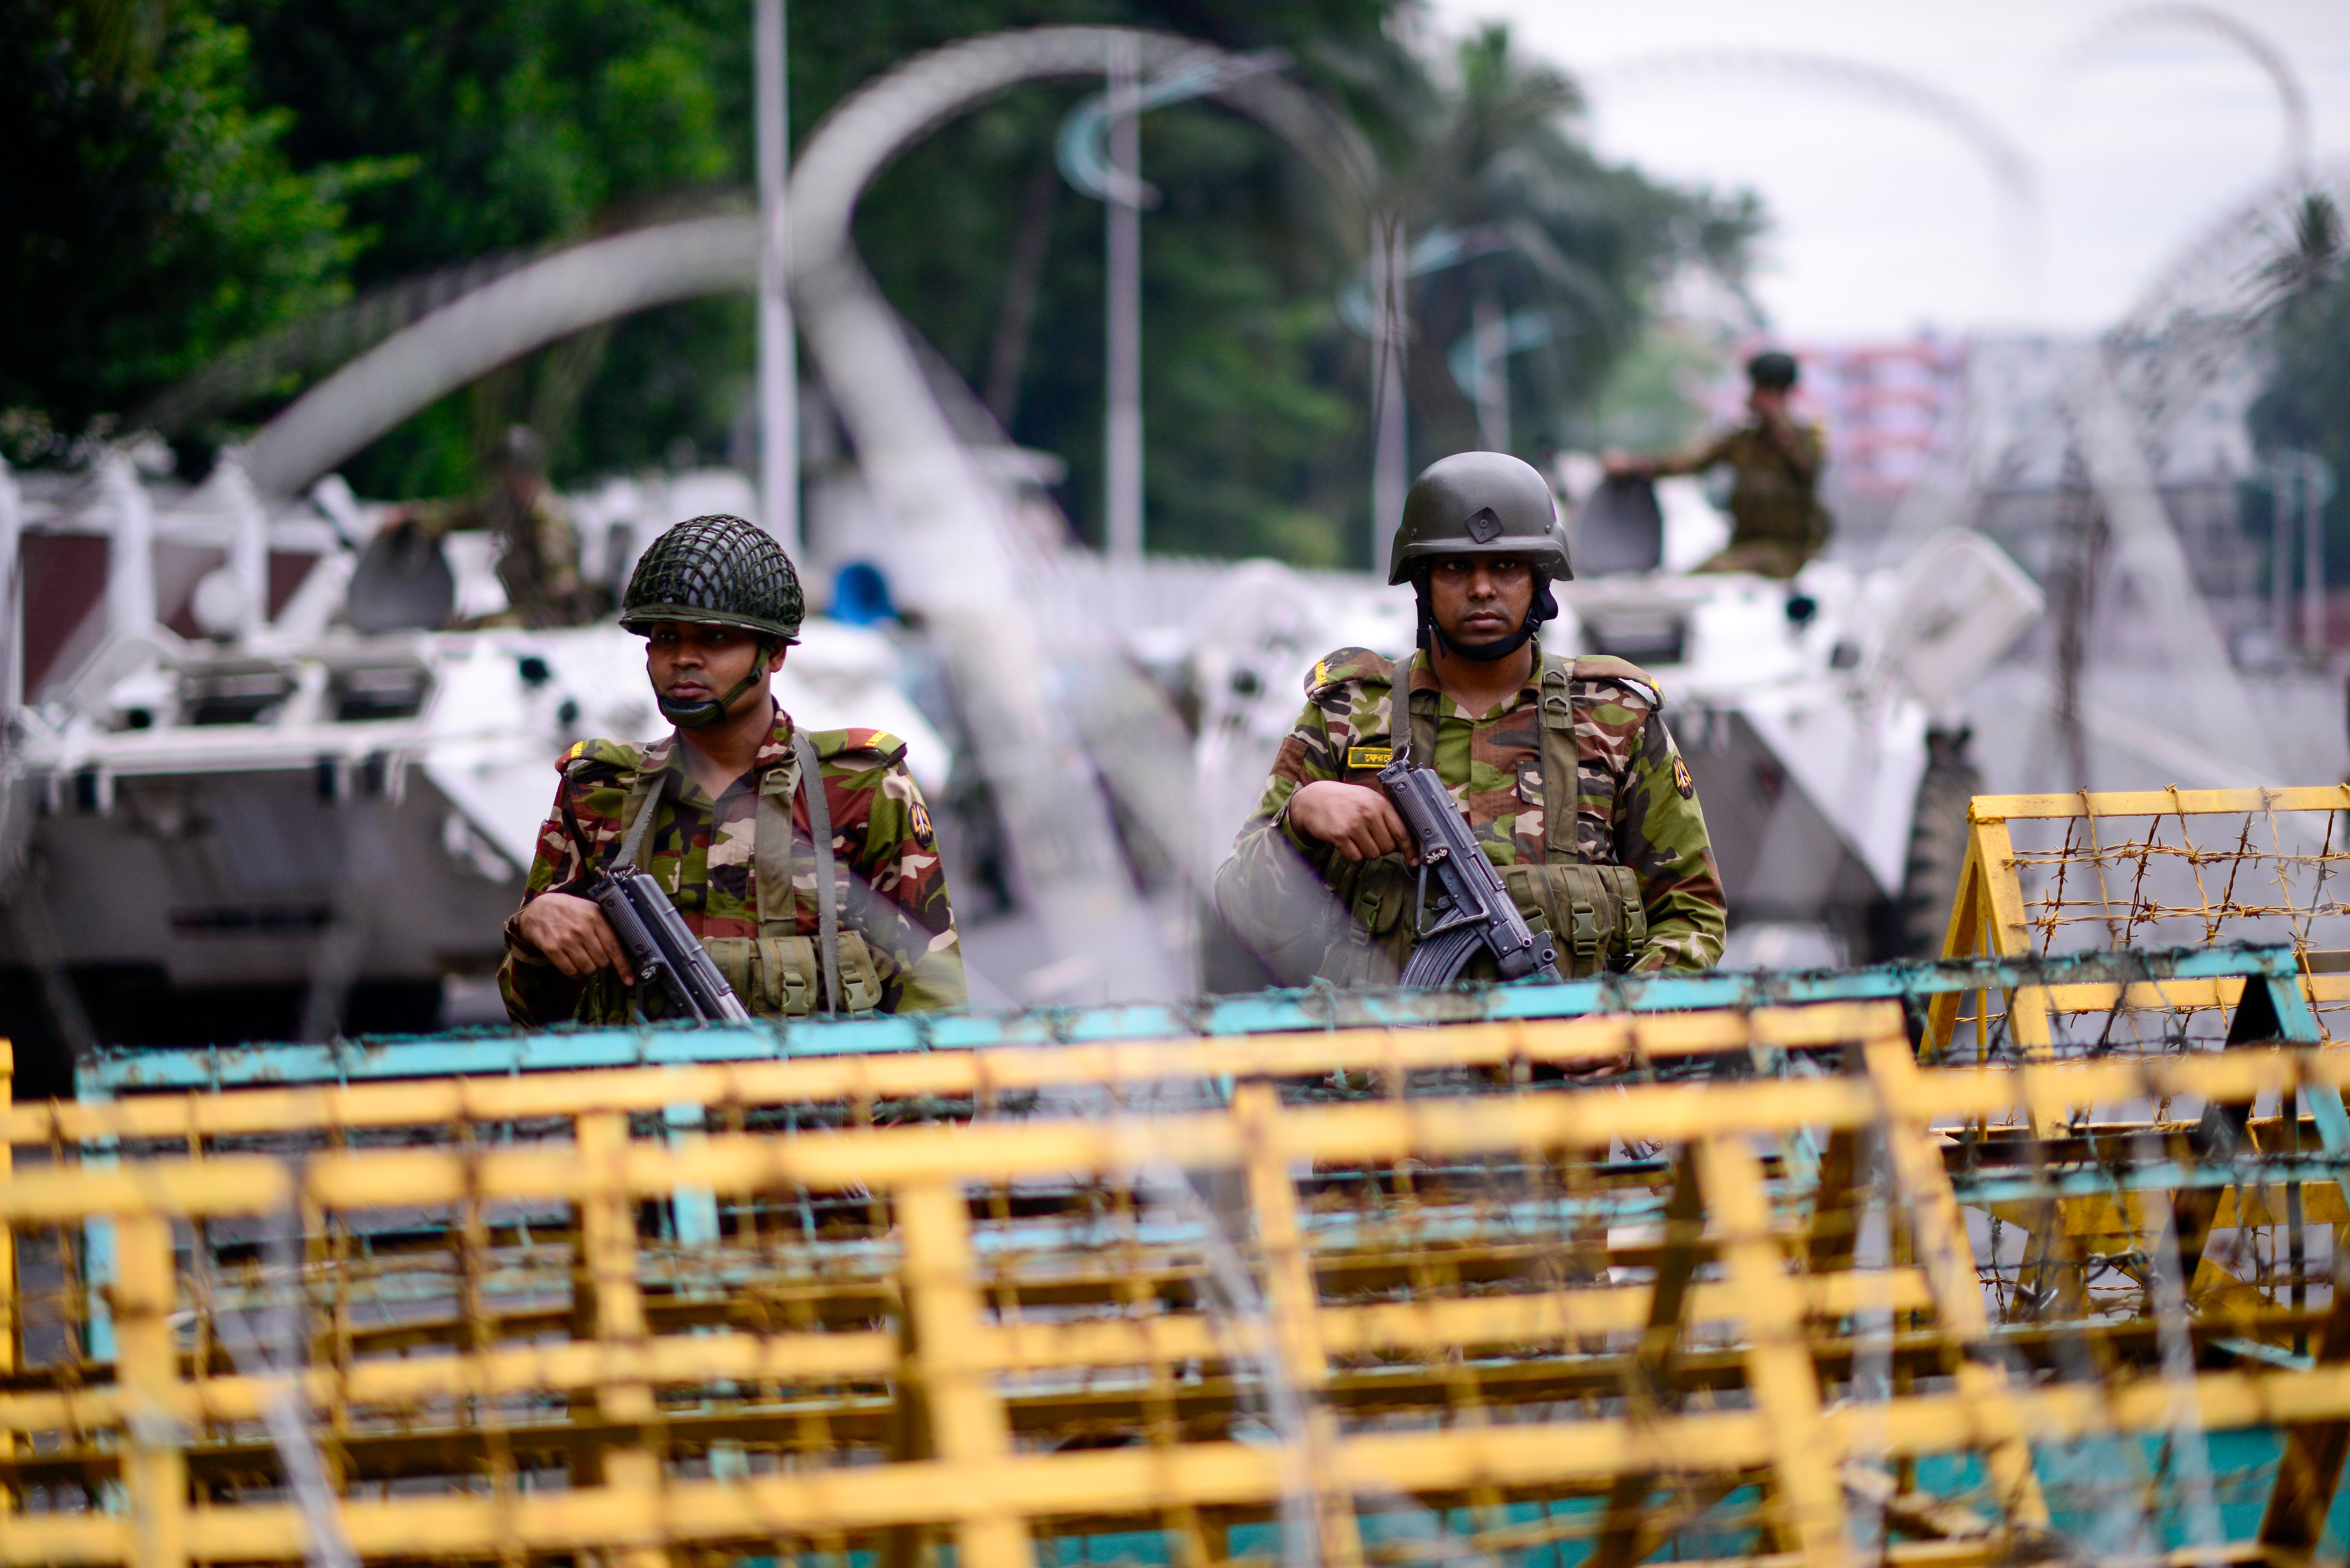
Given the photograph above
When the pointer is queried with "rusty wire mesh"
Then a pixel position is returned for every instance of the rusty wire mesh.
(2150, 870)
(2181, 880)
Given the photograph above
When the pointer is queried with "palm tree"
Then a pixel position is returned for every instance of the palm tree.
(2311, 259)
(1518, 229)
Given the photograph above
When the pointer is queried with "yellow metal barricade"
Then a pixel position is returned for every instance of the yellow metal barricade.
(2150, 869)
(1609, 1284)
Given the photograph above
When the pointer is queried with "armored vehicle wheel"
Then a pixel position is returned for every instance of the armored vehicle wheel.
(1937, 843)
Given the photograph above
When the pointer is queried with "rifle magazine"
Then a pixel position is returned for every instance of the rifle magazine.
(1439, 961)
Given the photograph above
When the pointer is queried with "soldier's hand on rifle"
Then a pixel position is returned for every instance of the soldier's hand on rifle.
(572, 933)
(1356, 820)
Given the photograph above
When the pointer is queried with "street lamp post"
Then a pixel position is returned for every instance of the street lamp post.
(779, 433)
(1490, 338)
(2314, 492)
(1380, 308)
(2281, 556)
(1122, 426)
(1391, 276)
(1101, 155)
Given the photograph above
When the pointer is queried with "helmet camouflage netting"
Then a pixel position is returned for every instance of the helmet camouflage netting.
(715, 571)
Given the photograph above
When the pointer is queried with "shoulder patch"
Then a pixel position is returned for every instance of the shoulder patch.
(1349, 664)
(832, 744)
(1681, 780)
(1622, 672)
(625, 755)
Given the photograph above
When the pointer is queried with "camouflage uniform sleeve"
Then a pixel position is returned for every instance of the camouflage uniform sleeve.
(537, 993)
(898, 889)
(1254, 880)
(1802, 447)
(1660, 835)
(1693, 460)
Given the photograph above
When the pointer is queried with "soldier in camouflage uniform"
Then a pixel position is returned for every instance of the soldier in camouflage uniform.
(538, 552)
(720, 814)
(1562, 766)
(1776, 520)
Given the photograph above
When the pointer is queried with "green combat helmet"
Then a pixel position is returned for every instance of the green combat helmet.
(1772, 370)
(716, 571)
(1481, 504)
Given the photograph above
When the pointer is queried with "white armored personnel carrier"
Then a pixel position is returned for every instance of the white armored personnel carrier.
(235, 816)
(228, 813)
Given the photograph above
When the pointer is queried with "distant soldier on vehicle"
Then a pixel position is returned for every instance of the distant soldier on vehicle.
(538, 552)
(1777, 523)
(806, 862)
(1562, 766)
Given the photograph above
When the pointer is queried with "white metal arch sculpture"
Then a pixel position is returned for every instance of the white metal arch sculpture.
(2292, 101)
(605, 279)
(542, 303)
(2011, 169)
(959, 567)
(959, 557)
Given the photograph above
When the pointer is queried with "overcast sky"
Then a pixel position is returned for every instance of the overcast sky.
(1885, 220)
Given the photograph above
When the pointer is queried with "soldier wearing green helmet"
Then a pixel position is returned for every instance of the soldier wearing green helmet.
(805, 861)
(1776, 521)
(1563, 765)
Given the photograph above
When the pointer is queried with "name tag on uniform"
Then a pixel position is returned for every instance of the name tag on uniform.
(1369, 756)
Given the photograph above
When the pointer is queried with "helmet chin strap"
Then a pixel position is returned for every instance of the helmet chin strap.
(1544, 608)
(713, 710)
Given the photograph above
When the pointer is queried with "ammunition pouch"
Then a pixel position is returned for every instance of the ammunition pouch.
(1593, 912)
(1379, 895)
(783, 977)
(775, 977)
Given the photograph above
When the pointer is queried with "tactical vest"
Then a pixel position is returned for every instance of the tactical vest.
(1596, 912)
(777, 973)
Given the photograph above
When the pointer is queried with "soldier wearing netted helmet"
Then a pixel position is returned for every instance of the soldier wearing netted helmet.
(1561, 765)
(743, 818)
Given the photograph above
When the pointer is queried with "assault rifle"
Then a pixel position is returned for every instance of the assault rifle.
(1472, 909)
(669, 964)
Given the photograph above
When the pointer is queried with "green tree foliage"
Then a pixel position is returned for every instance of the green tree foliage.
(515, 125)
(1551, 235)
(1255, 436)
(2306, 404)
(1255, 393)
(530, 123)
(150, 217)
